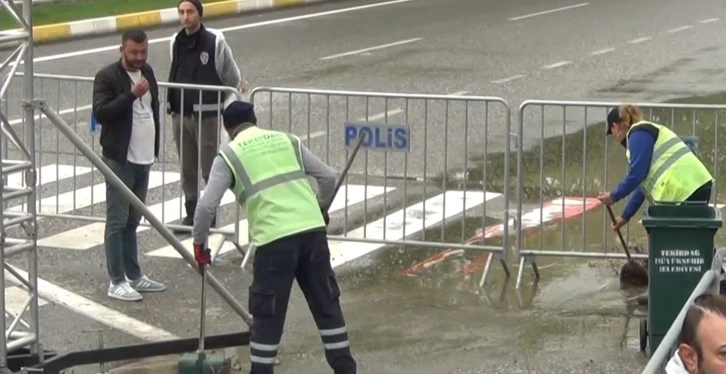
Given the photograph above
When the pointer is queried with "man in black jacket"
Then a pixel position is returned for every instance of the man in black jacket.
(199, 55)
(126, 104)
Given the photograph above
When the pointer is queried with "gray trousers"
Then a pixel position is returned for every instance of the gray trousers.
(122, 220)
(196, 149)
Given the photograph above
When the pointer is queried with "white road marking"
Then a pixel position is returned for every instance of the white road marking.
(602, 51)
(355, 193)
(382, 115)
(393, 112)
(375, 48)
(16, 297)
(710, 20)
(509, 79)
(226, 29)
(405, 222)
(48, 174)
(556, 65)
(90, 195)
(640, 40)
(548, 11)
(62, 112)
(92, 310)
(678, 29)
(89, 236)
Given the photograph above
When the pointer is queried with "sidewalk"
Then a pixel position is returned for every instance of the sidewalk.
(112, 24)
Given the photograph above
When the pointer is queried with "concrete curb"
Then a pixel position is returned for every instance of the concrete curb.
(154, 18)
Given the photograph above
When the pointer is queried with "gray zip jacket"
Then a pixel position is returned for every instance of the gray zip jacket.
(221, 179)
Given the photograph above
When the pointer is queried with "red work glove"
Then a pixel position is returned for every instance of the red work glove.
(202, 255)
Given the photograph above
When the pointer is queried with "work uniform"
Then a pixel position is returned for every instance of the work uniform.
(202, 58)
(288, 230)
(675, 174)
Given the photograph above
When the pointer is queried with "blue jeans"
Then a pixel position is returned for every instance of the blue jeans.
(122, 220)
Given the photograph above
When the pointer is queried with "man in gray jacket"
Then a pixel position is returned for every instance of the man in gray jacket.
(198, 56)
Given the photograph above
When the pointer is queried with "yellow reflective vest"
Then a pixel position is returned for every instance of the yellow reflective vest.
(271, 184)
(675, 172)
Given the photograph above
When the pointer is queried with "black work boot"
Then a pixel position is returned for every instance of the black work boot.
(190, 207)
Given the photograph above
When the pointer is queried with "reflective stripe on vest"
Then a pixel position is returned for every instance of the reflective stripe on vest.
(271, 184)
(675, 171)
(658, 152)
(250, 188)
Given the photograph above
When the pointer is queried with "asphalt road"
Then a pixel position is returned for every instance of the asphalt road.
(520, 50)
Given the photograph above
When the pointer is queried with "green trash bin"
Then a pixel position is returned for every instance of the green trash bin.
(680, 251)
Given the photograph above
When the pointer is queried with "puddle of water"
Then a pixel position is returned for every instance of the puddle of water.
(584, 163)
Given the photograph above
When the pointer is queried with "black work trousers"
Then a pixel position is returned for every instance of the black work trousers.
(306, 258)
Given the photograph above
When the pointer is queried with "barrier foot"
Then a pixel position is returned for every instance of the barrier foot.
(247, 255)
(487, 270)
(520, 272)
(216, 249)
(505, 267)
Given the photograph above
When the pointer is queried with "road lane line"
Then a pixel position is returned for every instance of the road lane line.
(48, 174)
(356, 194)
(509, 79)
(557, 65)
(84, 197)
(412, 219)
(226, 29)
(15, 298)
(640, 40)
(382, 115)
(62, 112)
(710, 20)
(90, 236)
(92, 310)
(602, 51)
(679, 29)
(375, 48)
(396, 111)
(548, 11)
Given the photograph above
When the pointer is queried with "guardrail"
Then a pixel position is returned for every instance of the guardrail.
(709, 283)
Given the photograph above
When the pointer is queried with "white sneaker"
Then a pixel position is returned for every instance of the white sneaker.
(123, 292)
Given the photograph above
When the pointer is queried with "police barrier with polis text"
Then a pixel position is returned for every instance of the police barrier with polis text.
(267, 171)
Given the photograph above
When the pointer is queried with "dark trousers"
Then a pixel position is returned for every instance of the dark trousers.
(703, 193)
(122, 220)
(306, 258)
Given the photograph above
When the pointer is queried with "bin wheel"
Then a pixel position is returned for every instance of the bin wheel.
(643, 335)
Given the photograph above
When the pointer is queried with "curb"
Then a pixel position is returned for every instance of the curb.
(153, 18)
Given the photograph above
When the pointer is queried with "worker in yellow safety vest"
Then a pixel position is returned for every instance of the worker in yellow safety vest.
(268, 173)
(662, 166)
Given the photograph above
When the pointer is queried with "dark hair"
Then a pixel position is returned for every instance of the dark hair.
(135, 35)
(703, 304)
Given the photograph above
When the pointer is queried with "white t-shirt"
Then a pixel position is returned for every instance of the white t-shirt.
(143, 132)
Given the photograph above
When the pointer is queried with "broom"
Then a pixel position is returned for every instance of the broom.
(632, 272)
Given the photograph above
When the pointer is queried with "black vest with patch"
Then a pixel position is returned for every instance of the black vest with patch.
(194, 62)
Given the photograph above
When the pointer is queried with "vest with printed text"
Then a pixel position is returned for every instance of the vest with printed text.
(271, 184)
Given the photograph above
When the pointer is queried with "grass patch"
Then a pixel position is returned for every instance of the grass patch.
(46, 14)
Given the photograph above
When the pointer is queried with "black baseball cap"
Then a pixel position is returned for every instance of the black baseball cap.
(613, 116)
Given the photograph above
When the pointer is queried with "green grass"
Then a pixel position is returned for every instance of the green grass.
(46, 14)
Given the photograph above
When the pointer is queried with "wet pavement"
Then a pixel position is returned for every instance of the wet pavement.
(575, 320)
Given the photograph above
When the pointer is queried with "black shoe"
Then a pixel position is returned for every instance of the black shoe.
(190, 207)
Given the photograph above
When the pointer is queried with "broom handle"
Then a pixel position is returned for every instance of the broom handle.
(344, 174)
(620, 235)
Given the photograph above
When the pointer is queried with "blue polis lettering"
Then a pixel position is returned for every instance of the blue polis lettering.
(395, 138)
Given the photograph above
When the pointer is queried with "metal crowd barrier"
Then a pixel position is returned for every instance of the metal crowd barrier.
(562, 156)
(447, 132)
(70, 186)
(709, 284)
